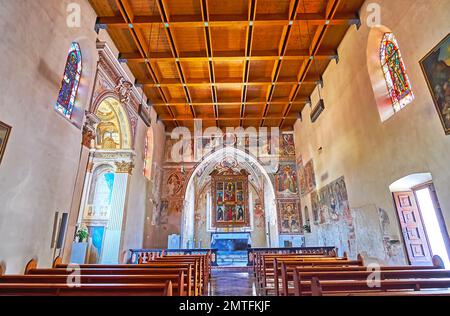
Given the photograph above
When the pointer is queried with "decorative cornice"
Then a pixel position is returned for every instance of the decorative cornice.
(111, 67)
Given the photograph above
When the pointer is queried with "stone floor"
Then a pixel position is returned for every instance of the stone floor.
(230, 281)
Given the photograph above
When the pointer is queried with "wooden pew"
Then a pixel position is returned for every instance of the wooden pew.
(271, 274)
(265, 269)
(200, 264)
(261, 258)
(288, 271)
(398, 287)
(143, 270)
(179, 284)
(280, 263)
(262, 271)
(55, 289)
(303, 281)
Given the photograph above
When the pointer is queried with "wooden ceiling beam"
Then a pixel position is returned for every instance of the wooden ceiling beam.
(231, 118)
(283, 44)
(209, 56)
(128, 16)
(230, 82)
(175, 53)
(325, 54)
(317, 40)
(248, 53)
(227, 20)
(207, 103)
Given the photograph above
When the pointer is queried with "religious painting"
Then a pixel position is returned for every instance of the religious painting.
(168, 155)
(289, 217)
(212, 143)
(5, 131)
(315, 206)
(330, 204)
(307, 178)
(436, 68)
(265, 145)
(163, 217)
(287, 145)
(230, 200)
(286, 180)
(174, 184)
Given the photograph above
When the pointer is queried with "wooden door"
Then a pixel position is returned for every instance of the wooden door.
(414, 234)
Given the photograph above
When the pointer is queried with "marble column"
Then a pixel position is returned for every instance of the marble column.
(113, 233)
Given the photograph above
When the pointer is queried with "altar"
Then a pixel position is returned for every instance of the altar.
(231, 248)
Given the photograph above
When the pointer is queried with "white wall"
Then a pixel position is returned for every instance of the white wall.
(356, 144)
(37, 174)
(38, 171)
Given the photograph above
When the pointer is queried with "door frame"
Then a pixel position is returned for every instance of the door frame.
(438, 211)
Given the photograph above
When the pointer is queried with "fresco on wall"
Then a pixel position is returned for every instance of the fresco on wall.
(289, 217)
(286, 180)
(436, 67)
(315, 206)
(330, 204)
(174, 184)
(392, 245)
(287, 145)
(331, 211)
(259, 214)
(307, 176)
(161, 216)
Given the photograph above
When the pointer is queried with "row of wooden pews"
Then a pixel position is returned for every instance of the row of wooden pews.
(329, 275)
(183, 275)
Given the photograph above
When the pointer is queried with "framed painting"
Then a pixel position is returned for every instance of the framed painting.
(289, 217)
(230, 201)
(5, 131)
(436, 68)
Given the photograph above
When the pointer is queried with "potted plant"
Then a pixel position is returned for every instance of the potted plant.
(82, 234)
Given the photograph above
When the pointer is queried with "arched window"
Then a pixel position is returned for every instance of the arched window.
(70, 82)
(397, 81)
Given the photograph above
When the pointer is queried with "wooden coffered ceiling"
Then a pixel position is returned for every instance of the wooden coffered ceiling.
(228, 62)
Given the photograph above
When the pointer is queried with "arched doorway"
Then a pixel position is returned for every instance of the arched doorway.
(199, 228)
(103, 203)
(420, 217)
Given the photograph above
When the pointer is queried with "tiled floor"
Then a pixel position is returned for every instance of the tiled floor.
(228, 281)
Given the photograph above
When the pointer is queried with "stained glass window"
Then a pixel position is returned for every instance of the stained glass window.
(397, 81)
(70, 82)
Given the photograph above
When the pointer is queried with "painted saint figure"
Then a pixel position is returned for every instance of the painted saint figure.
(220, 214)
(240, 215)
(288, 181)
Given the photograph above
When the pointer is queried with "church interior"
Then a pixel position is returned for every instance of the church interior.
(223, 148)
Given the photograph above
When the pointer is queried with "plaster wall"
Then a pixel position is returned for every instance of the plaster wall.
(355, 144)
